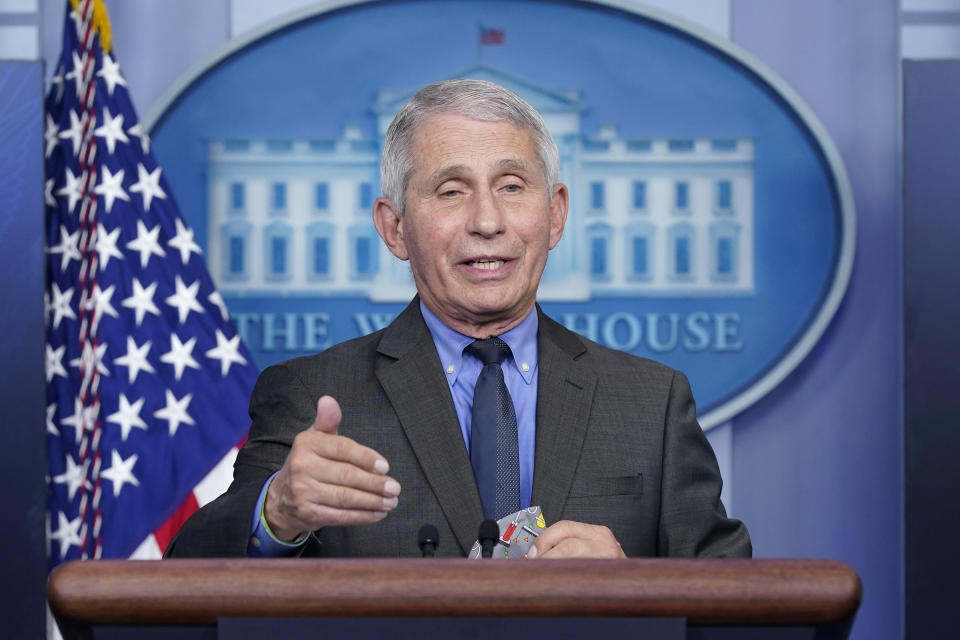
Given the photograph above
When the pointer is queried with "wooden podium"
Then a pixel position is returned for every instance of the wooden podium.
(707, 598)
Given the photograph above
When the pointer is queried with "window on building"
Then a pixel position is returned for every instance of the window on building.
(365, 259)
(638, 243)
(682, 256)
(639, 194)
(363, 255)
(278, 255)
(724, 196)
(278, 199)
(237, 199)
(320, 249)
(640, 262)
(277, 249)
(723, 144)
(321, 256)
(321, 196)
(597, 195)
(599, 248)
(724, 256)
(366, 195)
(598, 256)
(235, 257)
(234, 243)
(725, 248)
(682, 196)
(680, 240)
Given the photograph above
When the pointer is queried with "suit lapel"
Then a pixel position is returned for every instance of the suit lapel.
(412, 377)
(564, 396)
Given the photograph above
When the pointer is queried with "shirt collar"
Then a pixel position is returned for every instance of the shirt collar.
(522, 340)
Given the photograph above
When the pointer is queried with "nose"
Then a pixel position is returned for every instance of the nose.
(486, 217)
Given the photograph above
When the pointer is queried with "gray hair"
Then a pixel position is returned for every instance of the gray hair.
(477, 99)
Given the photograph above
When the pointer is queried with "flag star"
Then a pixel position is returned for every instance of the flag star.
(183, 241)
(107, 245)
(77, 22)
(48, 198)
(146, 243)
(55, 362)
(67, 533)
(61, 305)
(175, 411)
(111, 186)
(74, 133)
(142, 300)
(128, 415)
(180, 355)
(217, 300)
(120, 472)
(137, 130)
(83, 418)
(51, 414)
(100, 303)
(79, 62)
(75, 477)
(91, 358)
(111, 130)
(73, 189)
(57, 81)
(135, 360)
(227, 352)
(148, 185)
(185, 299)
(51, 135)
(110, 72)
(68, 247)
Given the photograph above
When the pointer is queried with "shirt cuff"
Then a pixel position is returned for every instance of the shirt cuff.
(262, 541)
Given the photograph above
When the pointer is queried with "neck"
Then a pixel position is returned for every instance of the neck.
(481, 328)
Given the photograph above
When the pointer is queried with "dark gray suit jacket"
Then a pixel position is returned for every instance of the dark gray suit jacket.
(617, 444)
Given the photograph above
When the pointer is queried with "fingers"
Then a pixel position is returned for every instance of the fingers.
(326, 424)
(328, 480)
(568, 539)
(326, 470)
(328, 415)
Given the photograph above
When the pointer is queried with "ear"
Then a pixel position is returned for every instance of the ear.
(389, 224)
(559, 203)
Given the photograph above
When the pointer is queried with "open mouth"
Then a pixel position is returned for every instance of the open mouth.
(487, 264)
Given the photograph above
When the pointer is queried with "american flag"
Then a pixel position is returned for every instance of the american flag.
(147, 380)
(490, 35)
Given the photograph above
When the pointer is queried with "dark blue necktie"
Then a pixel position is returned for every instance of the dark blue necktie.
(494, 452)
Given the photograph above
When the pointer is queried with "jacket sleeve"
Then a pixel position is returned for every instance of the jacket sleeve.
(693, 522)
(280, 407)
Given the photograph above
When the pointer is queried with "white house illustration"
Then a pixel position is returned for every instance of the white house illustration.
(648, 216)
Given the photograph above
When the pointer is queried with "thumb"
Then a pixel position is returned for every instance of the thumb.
(328, 415)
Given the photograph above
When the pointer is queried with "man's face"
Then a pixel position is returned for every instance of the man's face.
(479, 222)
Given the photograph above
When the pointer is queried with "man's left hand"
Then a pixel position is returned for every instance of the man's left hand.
(568, 539)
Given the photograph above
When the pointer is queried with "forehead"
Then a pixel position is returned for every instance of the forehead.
(452, 139)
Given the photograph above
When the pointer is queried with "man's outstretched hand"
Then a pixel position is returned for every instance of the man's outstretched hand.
(328, 480)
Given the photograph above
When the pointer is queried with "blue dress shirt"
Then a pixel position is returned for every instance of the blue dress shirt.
(519, 373)
(462, 370)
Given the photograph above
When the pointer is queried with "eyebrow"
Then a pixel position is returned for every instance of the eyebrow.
(457, 170)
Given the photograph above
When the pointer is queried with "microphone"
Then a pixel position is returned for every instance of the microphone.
(428, 540)
(488, 534)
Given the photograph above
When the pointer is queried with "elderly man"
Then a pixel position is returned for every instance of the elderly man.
(472, 404)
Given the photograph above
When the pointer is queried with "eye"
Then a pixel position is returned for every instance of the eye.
(449, 193)
(512, 187)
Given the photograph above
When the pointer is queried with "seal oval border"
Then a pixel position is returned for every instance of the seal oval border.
(843, 267)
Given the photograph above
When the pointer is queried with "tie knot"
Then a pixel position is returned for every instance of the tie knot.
(489, 351)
